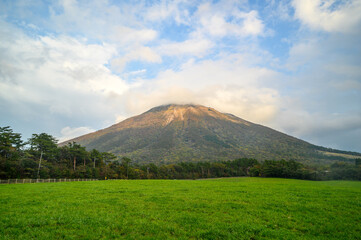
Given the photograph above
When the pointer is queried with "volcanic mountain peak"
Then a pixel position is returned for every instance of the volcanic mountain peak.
(162, 116)
(175, 112)
(172, 133)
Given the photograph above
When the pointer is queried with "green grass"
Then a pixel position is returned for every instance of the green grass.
(235, 208)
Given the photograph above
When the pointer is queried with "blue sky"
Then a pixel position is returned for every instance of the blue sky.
(71, 67)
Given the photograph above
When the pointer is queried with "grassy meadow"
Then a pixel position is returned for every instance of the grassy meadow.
(233, 208)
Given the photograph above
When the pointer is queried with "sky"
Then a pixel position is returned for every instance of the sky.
(70, 67)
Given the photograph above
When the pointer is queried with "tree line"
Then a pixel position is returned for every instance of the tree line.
(41, 157)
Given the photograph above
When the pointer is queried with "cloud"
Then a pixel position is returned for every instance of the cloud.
(100, 20)
(63, 77)
(194, 47)
(322, 89)
(142, 53)
(69, 133)
(226, 84)
(315, 126)
(220, 21)
(302, 53)
(280, 9)
(252, 25)
(329, 15)
(126, 35)
(253, 104)
(346, 85)
(177, 10)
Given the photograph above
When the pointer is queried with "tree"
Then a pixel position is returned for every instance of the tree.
(107, 158)
(125, 162)
(95, 156)
(10, 153)
(77, 152)
(45, 143)
(44, 146)
(10, 142)
(358, 161)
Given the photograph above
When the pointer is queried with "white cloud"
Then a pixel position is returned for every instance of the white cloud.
(142, 71)
(329, 15)
(220, 21)
(169, 9)
(126, 35)
(226, 84)
(101, 20)
(141, 53)
(302, 53)
(279, 9)
(252, 25)
(68, 133)
(62, 77)
(194, 47)
(259, 105)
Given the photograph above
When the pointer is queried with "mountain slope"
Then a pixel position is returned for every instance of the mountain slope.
(173, 133)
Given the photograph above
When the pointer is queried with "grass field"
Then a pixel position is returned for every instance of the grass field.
(235, 208)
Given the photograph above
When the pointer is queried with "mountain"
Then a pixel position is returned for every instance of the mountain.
(173, 133)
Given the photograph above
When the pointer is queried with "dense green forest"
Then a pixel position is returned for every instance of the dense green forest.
(41, 157)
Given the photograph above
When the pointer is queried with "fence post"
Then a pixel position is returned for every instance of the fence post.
(23, 181)
(8, 181)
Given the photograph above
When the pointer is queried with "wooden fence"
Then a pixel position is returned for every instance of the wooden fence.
(18, 181)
